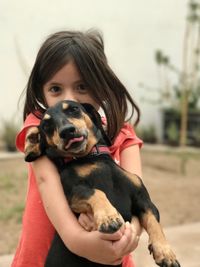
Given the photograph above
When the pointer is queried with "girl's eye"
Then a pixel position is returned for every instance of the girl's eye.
(55, 89)
(82, 88)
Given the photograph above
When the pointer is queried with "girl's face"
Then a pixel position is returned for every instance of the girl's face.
(67, 84)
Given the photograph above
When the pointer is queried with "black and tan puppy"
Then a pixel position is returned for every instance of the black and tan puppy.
(71, 135)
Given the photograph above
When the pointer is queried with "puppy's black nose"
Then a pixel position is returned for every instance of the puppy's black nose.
(67, 131)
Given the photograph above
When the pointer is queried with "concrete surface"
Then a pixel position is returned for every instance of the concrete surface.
(184, 239)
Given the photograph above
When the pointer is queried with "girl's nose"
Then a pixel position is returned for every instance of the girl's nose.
(69, 94)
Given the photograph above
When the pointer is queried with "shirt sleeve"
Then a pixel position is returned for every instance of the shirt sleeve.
(126, 137)
(31, 120)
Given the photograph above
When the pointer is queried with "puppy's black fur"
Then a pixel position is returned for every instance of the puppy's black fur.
(71, 135)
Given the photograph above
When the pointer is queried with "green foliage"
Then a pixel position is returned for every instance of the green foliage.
(6, 183)
(14, 212)
(12, 191)
(173, 134)
(196, 136)
(180, 88)
(193, 15)
(8, 134)
(147, 134)
(160, 58)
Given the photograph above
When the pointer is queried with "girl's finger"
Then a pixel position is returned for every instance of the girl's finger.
(86, 222)
(126, 243)
(111, 237)
(136, 225)
(132, 245)
(132, 238)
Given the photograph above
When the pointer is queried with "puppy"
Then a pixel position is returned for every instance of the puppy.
(71, 135)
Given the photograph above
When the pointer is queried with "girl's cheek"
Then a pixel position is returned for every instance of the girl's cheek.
(52, 99)
(52, 102)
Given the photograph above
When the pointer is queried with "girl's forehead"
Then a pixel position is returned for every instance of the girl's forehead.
(69, 72)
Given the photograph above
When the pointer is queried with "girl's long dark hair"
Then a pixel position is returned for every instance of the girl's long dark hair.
(87, 51)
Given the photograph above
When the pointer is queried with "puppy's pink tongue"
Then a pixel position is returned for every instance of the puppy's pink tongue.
(74, 140)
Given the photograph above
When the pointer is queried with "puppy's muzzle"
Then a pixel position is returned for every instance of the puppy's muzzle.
(72, 138)
(67, 132)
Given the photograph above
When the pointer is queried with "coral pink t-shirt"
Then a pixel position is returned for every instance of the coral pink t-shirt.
(37, 231)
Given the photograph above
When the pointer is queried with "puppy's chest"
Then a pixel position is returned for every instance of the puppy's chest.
(93, 174)
(101, 175)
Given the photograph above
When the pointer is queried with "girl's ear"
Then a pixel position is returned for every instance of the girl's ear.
(32, 144)
(96, 119)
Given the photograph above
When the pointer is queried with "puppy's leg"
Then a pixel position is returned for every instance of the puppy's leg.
(106, 217)
(148, 215)
(158, 245)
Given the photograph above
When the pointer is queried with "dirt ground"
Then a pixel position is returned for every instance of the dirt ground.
(172, 179)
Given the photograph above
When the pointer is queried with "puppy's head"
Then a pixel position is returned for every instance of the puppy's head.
(68, 129)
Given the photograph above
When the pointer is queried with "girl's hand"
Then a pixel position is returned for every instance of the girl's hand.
(120, 243)
(86, 220)
(97, 247)
(128, 241)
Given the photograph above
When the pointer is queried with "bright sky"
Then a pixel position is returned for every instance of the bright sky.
(132, 30)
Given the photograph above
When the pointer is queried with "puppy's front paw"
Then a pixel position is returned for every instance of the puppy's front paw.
(109, 222)
(111, 225)
(163, 255)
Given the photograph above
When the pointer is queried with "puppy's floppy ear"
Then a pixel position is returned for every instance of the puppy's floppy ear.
(93, 114)
(96, 119)
(32, 144)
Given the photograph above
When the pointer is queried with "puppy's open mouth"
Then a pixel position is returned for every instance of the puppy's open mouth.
(75, 142)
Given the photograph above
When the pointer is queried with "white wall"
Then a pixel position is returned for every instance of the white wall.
(132, 30)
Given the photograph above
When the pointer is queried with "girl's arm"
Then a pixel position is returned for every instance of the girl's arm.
(93, 245)
(130, 160)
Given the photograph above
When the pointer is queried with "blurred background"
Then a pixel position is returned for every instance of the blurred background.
(139, 37)
(154, 48)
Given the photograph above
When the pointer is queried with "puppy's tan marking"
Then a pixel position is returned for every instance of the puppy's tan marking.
(157, 240)
(46, 117)
(134, 179)
(103, 211)
(85, 170)
(31, 130)
(88, 121)
(78, 123)
(65, 106)
(54, 140)
(152, 227)
(92, 140)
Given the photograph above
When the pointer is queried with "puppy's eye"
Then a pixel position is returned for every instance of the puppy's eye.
(74, 110)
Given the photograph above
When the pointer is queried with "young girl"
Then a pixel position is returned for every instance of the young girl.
(72, 65)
